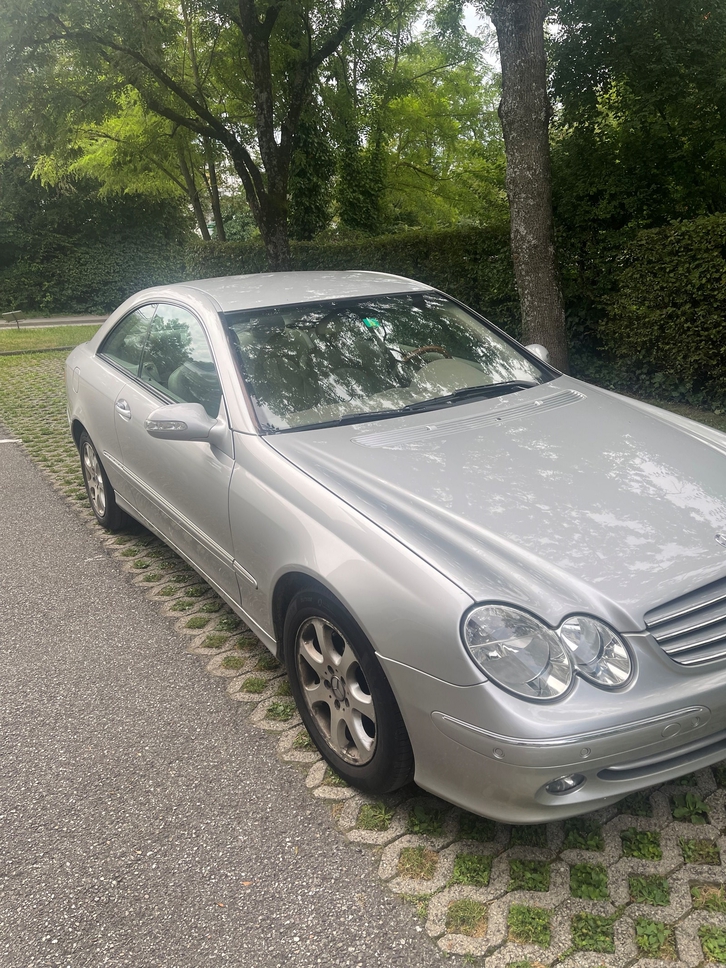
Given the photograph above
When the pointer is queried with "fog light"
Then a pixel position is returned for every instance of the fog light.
(565, 784)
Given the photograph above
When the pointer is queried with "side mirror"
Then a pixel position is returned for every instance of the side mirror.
(537, 349)
(186, 421)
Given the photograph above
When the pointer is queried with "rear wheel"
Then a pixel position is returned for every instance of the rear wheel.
(343, 695)
(100, 493)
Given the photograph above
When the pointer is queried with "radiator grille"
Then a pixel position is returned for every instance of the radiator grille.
(692, 629)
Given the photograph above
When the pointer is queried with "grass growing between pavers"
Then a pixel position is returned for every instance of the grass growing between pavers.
(689, 807)
(713, 942)
(373, 816)
(589, 881)
(529, 925)
(655, 939)
(700, 851)
(643, 844)
(650, 889)
(583, 833)
(467, 917)
(472, 869)
(426, 819)
(418, 862)
(32, 406)
(709, 897)
(476, 828)
(529, 875)
(593, 932)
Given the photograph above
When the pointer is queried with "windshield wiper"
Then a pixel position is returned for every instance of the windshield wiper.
(470, 393)
(435, 403)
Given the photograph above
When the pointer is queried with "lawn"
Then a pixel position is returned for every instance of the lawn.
(44, 338)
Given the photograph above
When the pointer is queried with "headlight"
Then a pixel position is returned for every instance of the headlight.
(522, 654)
(518, 652)
(599, 654)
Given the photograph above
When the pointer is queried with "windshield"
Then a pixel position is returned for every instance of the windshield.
(372, 357)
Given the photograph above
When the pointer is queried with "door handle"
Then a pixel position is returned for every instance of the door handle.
(123, 409)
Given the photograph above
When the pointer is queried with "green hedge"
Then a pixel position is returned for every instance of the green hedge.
(668, 316)
(89, 277)
(473, 265)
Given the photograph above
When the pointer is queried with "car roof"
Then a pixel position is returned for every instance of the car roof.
(269, 289)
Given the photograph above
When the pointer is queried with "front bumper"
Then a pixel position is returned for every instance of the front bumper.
(489, 771)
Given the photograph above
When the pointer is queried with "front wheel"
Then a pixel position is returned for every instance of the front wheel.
(343, 695)
(98, 487)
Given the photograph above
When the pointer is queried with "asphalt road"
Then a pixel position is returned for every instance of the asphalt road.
(142, 821)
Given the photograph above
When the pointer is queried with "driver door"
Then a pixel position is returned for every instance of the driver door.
(180, 487)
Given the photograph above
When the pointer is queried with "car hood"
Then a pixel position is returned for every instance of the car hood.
(558, 498)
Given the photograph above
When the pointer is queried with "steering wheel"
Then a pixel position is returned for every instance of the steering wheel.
(427, 349)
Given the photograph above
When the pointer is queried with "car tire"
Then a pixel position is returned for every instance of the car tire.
(98, 487)
(343, 696)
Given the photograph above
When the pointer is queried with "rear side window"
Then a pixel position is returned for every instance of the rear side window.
(125, 343)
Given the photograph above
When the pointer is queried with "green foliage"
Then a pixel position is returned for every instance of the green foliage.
(361, 183)
(374, 816)
(254, 685)
(418, 862)
(669, 314)
(583, 833)
(651, 889)
(52, 337)
(592, 932)
(66, 249)
(466, 917)
(589, 881)
(529, 875)
(472, 869)
(311, 180)
(689, 806)
(529, 835)
(689, 779)
(529, 925)
(700, 851)
(280, 711)
(472, 264)
(420, 902)
(709, 897)
(713, 941)
(331, 778)
(215, 640)
(472, 827)
(302, 741)
(636, 805)
(644, 844)
(654, 939)
(426, 819)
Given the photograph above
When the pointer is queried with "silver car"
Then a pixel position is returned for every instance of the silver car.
(481, 574)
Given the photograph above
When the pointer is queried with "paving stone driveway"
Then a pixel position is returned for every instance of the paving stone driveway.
(642, 882)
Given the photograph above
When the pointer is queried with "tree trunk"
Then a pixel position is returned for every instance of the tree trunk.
(193, 193)
(214, 192)
(525, 115)
(274, 230)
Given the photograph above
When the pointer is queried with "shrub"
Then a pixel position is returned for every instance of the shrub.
(473, 264)
(669, 313)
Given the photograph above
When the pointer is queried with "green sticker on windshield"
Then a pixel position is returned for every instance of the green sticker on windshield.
(371, 323)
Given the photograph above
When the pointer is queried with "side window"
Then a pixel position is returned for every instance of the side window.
(177, 360)
(125, 343)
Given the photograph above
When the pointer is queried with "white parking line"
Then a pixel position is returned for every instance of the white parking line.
(11, 440)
